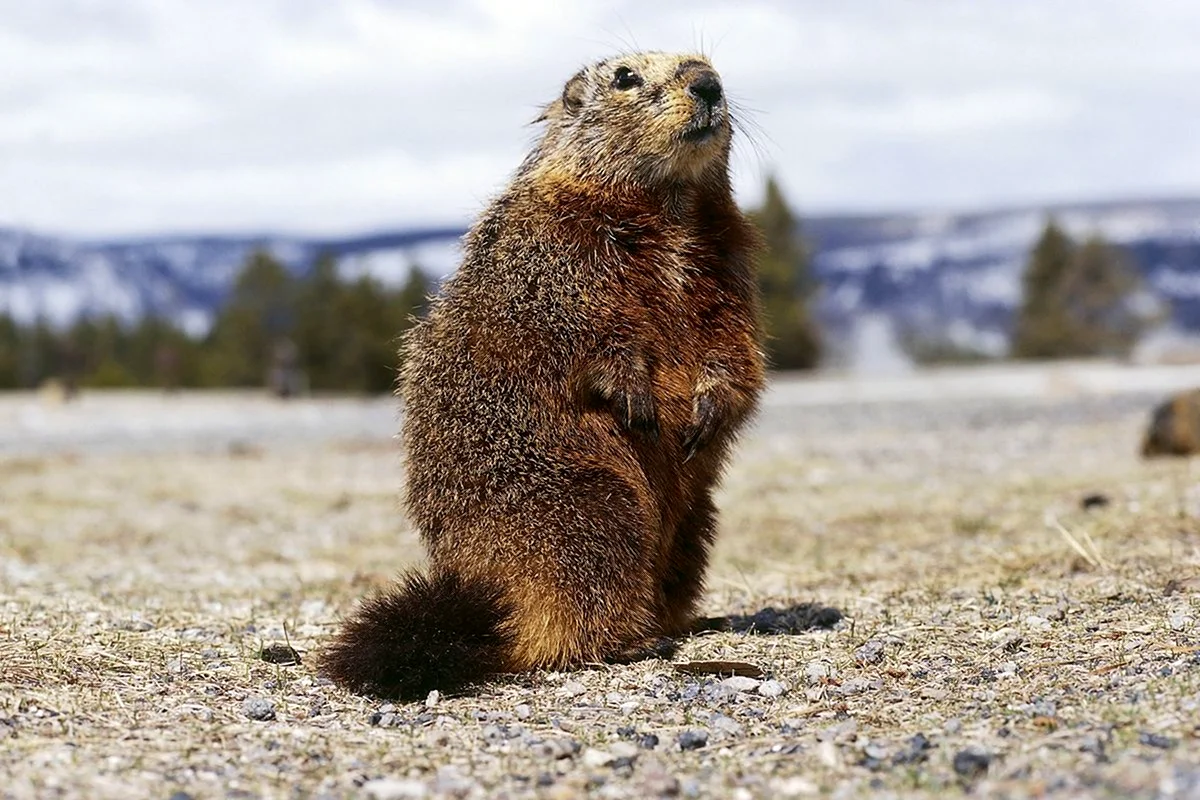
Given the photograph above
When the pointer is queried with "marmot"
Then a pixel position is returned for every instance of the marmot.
(572, 394)
(1174, 428)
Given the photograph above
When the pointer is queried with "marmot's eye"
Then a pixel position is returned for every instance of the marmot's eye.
(625, 78)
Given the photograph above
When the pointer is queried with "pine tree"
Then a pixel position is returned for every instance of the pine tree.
(10, 353)
(1043, 325)
(258, 316)
(1098, 290)
(413, 298)
(320, 328)
(1076, 300)
(787, 285)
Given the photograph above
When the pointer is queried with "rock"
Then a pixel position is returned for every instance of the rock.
(392, 789)
(450, 782)
(1174, 428)
(771, 688)
(870, 653)
(796, 787)
(572, 689)
(692, 740)
(622, 750)
(739, 683)
(432, 698)
(136, 624)
(647, 742)
(971, 764)
(259, 708)
(1094, 500)
(523, 711)
(1156, 740)
(827, 754)
(725, 724)
(597, 758)
(1179, 621)
(915, 752)
(816, 671)
(279, 653)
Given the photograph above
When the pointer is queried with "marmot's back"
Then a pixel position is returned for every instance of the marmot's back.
(570, 398)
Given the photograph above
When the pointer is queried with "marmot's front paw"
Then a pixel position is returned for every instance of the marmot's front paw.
(635, 408)
(704, 426)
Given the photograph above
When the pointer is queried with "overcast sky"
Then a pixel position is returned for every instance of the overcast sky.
(340, 116)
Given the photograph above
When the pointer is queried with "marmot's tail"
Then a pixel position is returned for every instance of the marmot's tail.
(440, 632)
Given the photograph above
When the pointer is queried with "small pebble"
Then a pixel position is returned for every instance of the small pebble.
(869, 653)
(915, 752)
(450, 782)
(648, 742)
(392, 789)
(1156, 740)
(816, 671)
(136, 624)
(597, 758)
(572, 689)
(796, 787)
(692, 740)
(523, 711)
(279, 653)
(972, 764)
(725, 724)
(259, 708)
(622, 750)
(771, 688)
(432, 698)
(740, 683)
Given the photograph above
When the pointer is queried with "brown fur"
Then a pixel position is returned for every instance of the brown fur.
(1174, 428)
(572, 396)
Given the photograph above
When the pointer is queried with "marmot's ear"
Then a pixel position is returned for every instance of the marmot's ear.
(572, 96)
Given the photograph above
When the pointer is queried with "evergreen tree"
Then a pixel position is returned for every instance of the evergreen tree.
(1076, 300)
(259, 315)
(10, 353)
(413, 299)
(786, 282)
(1043, 324)
(1098, 290)
(369, 356)
(320, 327)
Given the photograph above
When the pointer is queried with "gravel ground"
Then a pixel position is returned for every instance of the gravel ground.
(1018, 596)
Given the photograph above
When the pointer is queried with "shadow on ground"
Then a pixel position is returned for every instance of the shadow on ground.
(773, 621)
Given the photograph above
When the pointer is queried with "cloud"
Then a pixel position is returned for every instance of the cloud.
(327, 117)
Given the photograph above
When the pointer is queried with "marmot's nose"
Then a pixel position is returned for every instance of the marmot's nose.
(706, 87)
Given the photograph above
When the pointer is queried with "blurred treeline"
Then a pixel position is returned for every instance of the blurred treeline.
(314, 332)
(1078, 299)
(318, 332)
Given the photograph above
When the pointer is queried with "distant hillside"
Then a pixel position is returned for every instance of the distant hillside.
(950, 276)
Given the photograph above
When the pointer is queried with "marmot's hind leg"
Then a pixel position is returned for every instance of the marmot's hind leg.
(588, 592)
(683, 580)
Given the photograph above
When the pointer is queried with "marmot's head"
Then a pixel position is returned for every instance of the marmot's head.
(649, 117)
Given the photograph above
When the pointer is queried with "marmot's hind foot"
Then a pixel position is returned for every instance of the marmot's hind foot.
(662, 647)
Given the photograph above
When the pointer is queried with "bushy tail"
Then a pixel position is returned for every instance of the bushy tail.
(437, 632)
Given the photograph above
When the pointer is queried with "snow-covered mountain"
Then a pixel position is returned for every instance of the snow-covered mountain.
(957, 277)
(954, 277)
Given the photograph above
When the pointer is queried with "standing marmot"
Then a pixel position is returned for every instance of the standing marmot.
(572, 395)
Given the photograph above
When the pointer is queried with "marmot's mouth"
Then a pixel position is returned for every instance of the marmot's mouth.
(699, 133)
(704, 125)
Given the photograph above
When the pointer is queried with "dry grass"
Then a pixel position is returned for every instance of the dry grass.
(985, 610)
